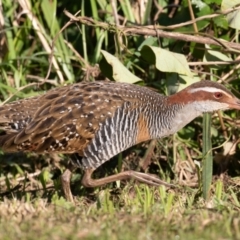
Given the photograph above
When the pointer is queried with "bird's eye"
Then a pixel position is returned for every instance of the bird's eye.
(218, 95)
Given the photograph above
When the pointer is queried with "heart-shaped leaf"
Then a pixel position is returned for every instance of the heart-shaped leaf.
(115, 70)
(166, 61)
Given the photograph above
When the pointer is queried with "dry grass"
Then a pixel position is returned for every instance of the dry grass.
(134, 213)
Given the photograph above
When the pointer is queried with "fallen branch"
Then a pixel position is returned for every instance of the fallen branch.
(154, 31)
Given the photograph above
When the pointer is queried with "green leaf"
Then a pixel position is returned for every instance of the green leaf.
(199, 3)
(188, 80)
(115, 70)
(214, 55)
(166, 61)
(147, 12)
(127, 10)
(49, 13)
(221, 22)
(176, 82)
(233, 18)
(148, 41)
(187, 132)
(213, 1)
(44, 177)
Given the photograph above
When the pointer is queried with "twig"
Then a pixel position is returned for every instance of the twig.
(29, 175)
(194, 22)
(19, 90)
(224, 129)
(214, 63)
(51, 57)
(118, 39)
(152, 31)
(226, 76)
(40, 79)
(159, 8)
(190, 160)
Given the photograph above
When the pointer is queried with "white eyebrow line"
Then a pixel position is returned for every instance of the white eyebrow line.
(206, 89)
(209, 89)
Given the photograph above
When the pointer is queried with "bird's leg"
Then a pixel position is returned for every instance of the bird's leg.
(66, 180)
(88, 181)
(146, 160)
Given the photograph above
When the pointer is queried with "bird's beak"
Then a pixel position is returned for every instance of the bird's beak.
(234, 103)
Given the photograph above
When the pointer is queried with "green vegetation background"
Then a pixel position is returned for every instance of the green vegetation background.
(31, 201)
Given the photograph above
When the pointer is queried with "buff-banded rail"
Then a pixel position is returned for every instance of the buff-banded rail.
(98, 120)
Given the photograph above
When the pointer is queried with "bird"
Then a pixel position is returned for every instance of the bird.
(97, 120)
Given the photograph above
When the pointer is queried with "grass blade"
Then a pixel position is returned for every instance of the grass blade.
(207, 155)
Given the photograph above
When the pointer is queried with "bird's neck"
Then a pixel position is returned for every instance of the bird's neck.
(171, 119)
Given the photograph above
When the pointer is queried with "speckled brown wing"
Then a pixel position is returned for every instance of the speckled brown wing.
(69, 117)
